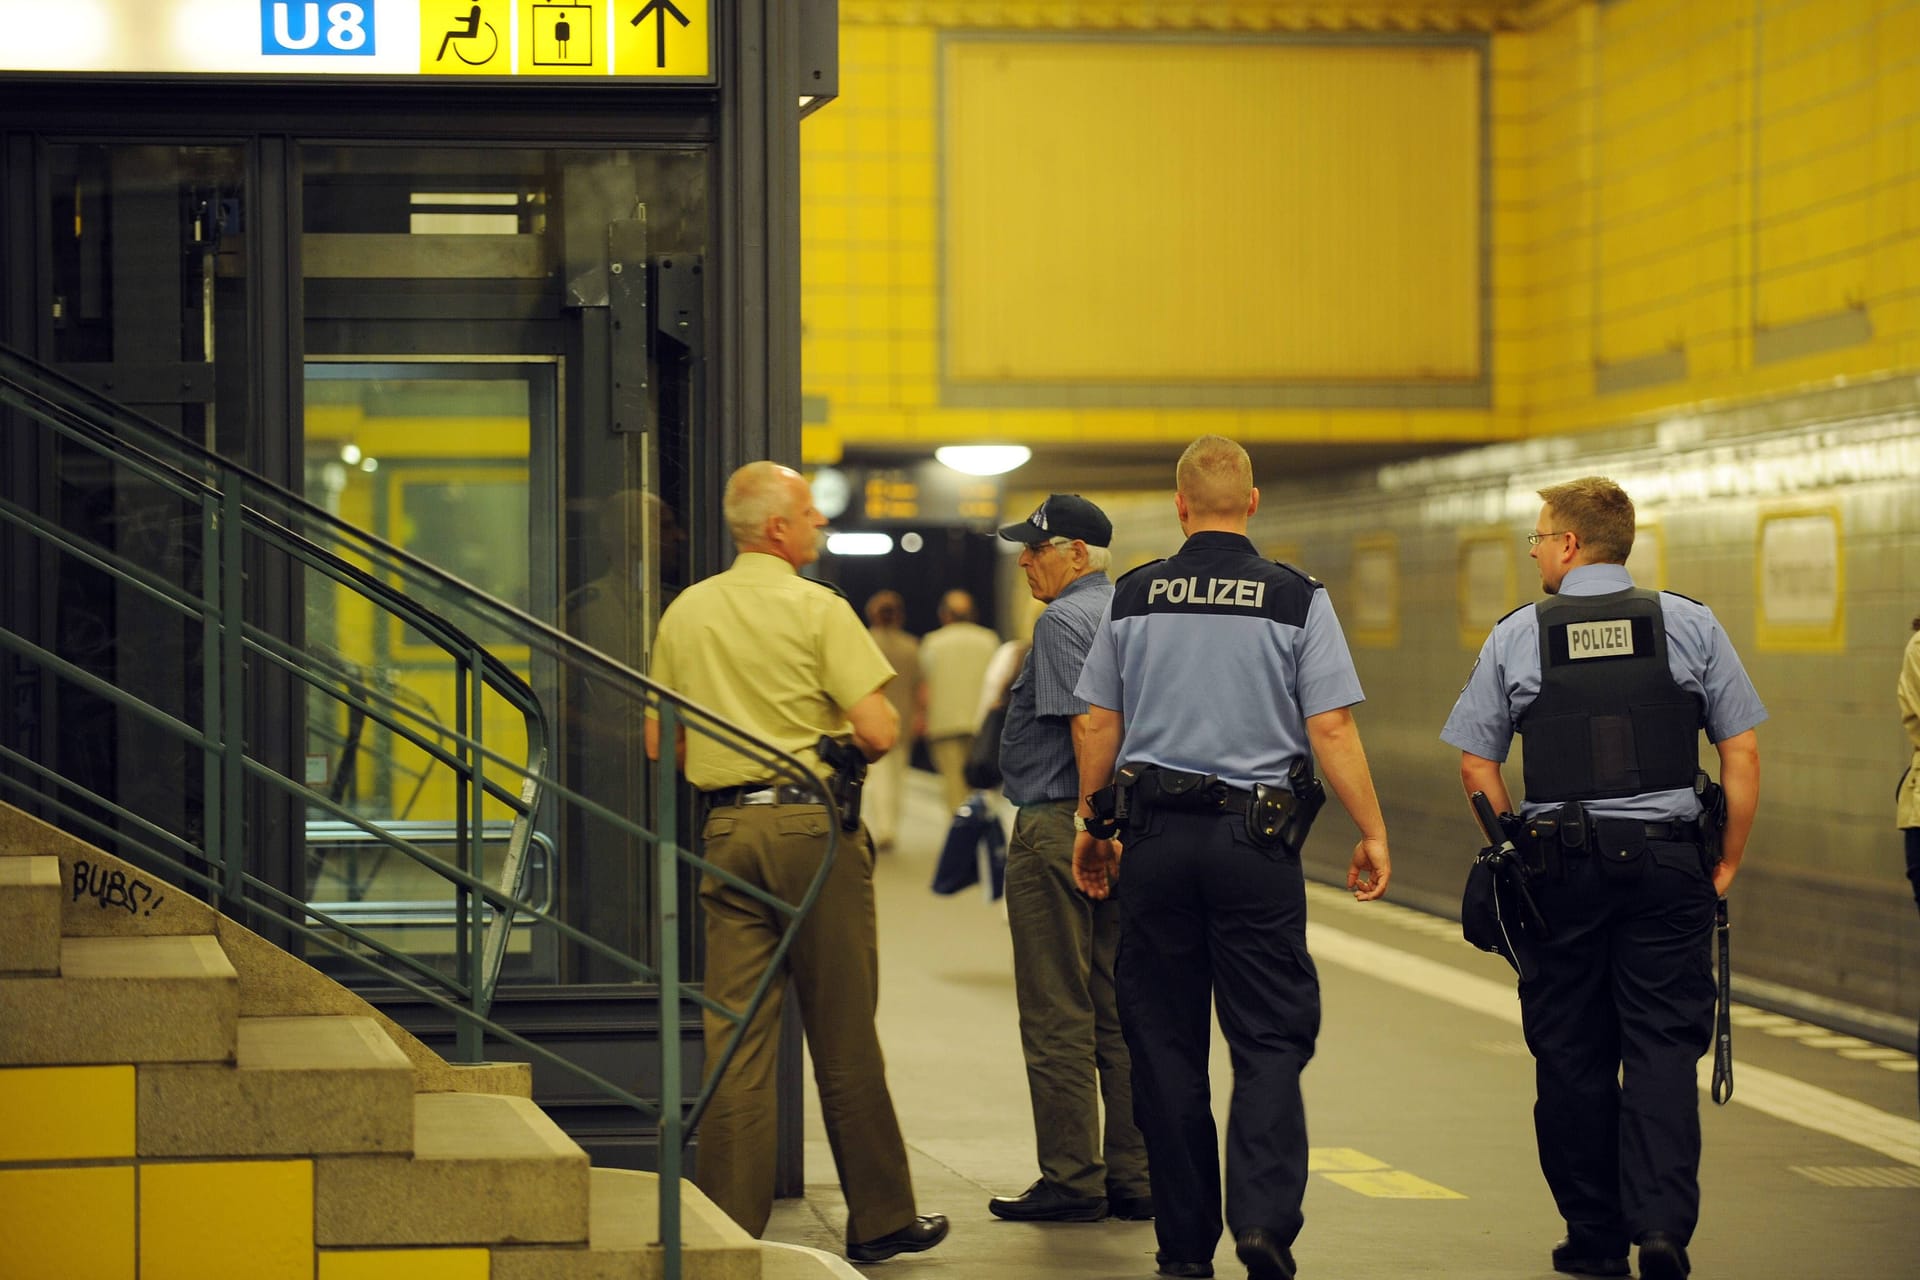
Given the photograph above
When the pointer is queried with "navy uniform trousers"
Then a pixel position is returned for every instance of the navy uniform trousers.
(1206, 917)
(1618, 1019)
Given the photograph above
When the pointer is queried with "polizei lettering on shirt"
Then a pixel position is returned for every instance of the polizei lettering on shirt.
(1242, 592)
(1611, 638)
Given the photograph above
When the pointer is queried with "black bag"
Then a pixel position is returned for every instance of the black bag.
(1497, 913)
(982, 770)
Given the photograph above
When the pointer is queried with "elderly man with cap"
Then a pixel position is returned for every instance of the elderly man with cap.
(1063, 941)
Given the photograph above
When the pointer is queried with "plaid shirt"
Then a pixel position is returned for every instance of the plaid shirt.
(1036, 746)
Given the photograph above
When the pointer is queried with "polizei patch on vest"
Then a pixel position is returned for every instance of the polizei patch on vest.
(1609, 638)
(1246, 593)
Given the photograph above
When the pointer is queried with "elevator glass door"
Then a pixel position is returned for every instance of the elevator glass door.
(451, 460)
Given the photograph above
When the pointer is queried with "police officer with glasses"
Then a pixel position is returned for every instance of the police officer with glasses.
(1219, 678)
(1610, 686)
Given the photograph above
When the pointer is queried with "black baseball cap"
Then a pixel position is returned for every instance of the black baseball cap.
(1063, 515)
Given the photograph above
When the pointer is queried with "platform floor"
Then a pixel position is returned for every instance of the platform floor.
(1418, 1102)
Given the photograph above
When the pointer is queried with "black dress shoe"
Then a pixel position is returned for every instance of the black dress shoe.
(1165, 1266)
(1129, 1208)
(1265, 1256)
(1580, 1258)
(1662, 1257)
(1044, 1202)
(918, 1236)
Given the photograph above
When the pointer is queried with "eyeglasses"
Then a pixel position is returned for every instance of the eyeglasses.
(1535, 539)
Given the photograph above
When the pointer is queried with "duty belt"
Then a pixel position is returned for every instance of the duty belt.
(761, 793)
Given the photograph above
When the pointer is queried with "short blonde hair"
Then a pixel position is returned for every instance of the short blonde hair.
(1215, 476)
(756, 493)
(1598, 512)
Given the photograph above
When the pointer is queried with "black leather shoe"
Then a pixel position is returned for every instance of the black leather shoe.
(1662, 1257)
(1044, 1202)
(918, 1236)
(1579, 1258)
(1129, 1208)
(1165, 1266)
(1265, 1256)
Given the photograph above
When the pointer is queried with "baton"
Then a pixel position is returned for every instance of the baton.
(1505, 857)
(1489, 824)
(1723, 1024)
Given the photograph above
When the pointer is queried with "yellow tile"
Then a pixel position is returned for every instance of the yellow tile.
(406, 1264)
(66, 1113)
(73, 1223)
(189, 1230)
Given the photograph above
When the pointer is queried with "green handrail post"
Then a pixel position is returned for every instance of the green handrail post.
(466, 1031)
(212, 652)
(666, 789)
(473, 1045)
(231, 856)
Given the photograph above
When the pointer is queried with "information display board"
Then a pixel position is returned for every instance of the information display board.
(628, 39)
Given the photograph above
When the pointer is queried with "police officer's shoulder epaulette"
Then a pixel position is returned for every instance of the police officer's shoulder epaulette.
(1302, 574)
(1136, 569)
(828, 586)
(1509, 613)
(1689, 599)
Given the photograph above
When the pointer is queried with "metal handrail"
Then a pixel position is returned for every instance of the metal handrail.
(240, 514)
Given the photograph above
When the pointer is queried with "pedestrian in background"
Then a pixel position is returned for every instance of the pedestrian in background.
(887, 776)
(953, 667)
(1610, 686)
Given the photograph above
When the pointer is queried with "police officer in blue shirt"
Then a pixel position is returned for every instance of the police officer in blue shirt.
(1610, 686)
(1213, 676)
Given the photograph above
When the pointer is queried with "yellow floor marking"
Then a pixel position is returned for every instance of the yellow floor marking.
(1833, 1042)
(1393, 1184)
(1340, 1160)
(1876, 1054)
(1907, 1068)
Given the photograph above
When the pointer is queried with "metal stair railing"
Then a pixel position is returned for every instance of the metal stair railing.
(191, 547)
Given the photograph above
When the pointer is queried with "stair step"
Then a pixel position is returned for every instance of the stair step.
(485, 1169)
(623, 1242)
(139, 1000)
(30, 915)
(298, 1086)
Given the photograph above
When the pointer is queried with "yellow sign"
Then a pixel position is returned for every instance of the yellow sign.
(466, 38)
(563, 38)
(660, 38)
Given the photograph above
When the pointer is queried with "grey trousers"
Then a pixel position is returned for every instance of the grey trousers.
(1063, 951)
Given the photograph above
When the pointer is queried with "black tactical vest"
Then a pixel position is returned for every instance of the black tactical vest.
(1609, 721)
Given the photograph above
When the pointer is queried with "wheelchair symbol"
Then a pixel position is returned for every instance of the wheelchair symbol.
(470, 31)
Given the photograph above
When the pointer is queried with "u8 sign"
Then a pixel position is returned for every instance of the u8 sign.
(314, 27)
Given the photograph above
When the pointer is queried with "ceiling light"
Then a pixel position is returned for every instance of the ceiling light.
(983, 459)
(859, 544)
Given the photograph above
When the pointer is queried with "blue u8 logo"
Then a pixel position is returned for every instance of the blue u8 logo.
(314, 27)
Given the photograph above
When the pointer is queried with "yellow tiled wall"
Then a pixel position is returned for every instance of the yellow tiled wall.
(74, 1223)
(1713, 200)
(66, 1113)
(242, 1219)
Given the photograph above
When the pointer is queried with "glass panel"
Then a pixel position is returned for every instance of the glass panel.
(414, 254)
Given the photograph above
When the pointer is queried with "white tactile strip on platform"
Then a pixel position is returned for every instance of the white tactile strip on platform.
(1898, 1061)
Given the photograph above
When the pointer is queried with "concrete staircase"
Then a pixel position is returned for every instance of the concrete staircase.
(181, 1099)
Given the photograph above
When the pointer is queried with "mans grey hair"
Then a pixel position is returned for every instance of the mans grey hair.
(756, 493)
(1098, 558)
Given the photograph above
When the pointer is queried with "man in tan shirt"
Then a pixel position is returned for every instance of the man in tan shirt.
(953, 665)
(787, 660)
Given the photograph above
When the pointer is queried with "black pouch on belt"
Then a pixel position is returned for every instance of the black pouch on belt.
(1267, 816)
(1620, 845)
(1178, 789)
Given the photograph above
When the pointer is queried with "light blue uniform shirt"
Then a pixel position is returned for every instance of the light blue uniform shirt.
(1506, 680)
(1219, 673)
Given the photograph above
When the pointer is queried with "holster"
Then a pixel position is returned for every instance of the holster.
(1713, 818)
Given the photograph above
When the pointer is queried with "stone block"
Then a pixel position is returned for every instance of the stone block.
(624, 1235)
(485, 1169)
(30, 915)
(161, 999)
(298, 1086)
